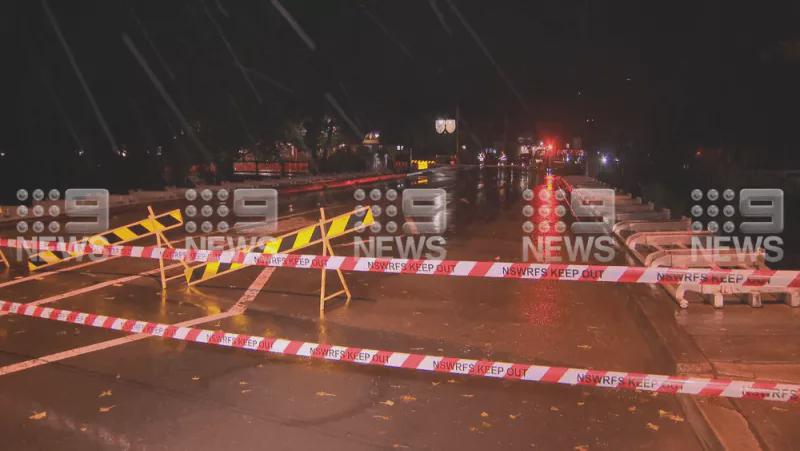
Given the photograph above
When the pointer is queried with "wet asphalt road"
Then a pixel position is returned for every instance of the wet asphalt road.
(153, 393)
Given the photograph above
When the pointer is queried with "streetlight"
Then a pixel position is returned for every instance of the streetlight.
(448, 127)
(445, 126)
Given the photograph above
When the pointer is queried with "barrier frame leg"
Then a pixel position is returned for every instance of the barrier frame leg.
(327, 249)
(4, 260)
(152, 216)
(161, 240)
(754, 299)
(792, 298)
(717, 300)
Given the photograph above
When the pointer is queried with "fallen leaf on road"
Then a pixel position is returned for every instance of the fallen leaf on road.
(388, 402)
(381, 417)
(106, 409)
(473, 429)
(195, 378)
(451, 381)
(553, 409)
(580, 403)
(84, 427)
(653, 427)
(779, 409)
(398, 446)
(434, 383)
(109, 298)
(486, 425)
(244, 383)
(584, 346)
(407, 398)
(325, 394)
(581, 448)
(104, 393)
(670, 415)
(246, 390)
(118, 285)
(38, 415)
(467, 395)
(514, 416)
(396, 386)
(632, 409)
(484, 414)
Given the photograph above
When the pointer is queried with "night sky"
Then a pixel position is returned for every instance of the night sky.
(653, 79)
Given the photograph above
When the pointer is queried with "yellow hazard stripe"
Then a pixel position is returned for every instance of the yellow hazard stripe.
(211, 270)
(150, 225)
(303, 237)
(124, 234)
(45, 258)
(272, 246)
(49, 257)
(175, 216)
(368, 218)
(290, 242)
(97, 240)
(338, 225)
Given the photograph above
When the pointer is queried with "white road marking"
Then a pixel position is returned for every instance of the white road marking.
(97, 286)
(252, 291)
(39, 361)
(241, 305)
(38, 276)
(237, 309)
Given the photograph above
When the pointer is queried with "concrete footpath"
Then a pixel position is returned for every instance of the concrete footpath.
(734, 342)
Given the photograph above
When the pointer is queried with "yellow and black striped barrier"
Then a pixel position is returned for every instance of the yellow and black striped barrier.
(119, 235)
(305, 237)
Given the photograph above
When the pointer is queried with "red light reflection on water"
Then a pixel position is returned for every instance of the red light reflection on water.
(538, 302)
(539, 306)
(545, 220)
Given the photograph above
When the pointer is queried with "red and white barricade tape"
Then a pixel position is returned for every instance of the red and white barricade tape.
(456, 268)
(765, 390)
